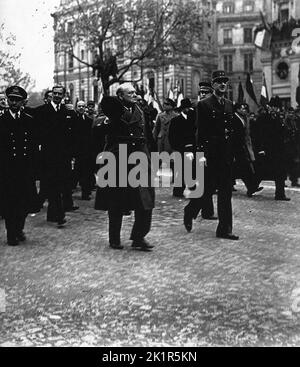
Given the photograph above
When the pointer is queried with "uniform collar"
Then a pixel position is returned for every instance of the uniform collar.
(14, 114)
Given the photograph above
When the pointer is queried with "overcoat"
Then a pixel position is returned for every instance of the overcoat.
(18, 147)
(272, 165)
(161, 131)
(58, 137)
(127, 128)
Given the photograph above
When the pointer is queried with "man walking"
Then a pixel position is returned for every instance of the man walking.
(127, 126)
(58, 142)
(17, 150)
(216, 137)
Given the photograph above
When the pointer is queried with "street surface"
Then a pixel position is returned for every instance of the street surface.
(66, 287)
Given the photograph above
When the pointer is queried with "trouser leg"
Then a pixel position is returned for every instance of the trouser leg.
(224, 202)
(142, 224)
(279, 186)
(55, 210)
(115, 217)
(11, 227)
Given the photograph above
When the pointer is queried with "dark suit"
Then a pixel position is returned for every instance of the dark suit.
(17, 184)
(58, 138)
(182, 139)
(84, 163)
(216, 137)
(129, 128)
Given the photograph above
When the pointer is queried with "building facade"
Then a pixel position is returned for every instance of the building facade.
(184, 74)
(236, 23)
(281, 61)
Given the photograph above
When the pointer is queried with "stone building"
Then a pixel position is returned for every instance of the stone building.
(281, 61)
(184, 73)
(236, 23)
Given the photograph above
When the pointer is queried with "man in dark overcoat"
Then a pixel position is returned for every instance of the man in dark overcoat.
(127, 127)
(17, 151)
(182, 137)
(84, 162)
(245, 159)
(272, 156)
(216, 136)
(58, 139)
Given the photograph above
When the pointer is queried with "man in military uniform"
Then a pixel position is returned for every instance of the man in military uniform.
(207, 211)
(216, 137)
(127, 126)
(17, 150)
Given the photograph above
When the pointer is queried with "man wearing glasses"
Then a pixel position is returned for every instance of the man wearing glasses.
(216, 136)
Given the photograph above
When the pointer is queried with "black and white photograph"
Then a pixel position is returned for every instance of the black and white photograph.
(150, 176)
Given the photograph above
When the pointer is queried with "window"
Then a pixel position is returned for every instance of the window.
(229, 92)
(82, 94)
(228, 63)
(70, 60)
(227, 36)
(82, 55)
(248, 6)
(228, 8)
(248, 63)
(247, 35)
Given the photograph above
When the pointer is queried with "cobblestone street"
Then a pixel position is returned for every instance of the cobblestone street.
(66, 287)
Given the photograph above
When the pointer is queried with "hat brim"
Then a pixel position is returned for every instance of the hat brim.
(221, 78)
(15, 95)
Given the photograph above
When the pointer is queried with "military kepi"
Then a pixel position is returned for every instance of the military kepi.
(219, 75)
(16, 91)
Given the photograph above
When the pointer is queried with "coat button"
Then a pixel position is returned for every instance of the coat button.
(14, 148)
(15, 155)
(131, 134)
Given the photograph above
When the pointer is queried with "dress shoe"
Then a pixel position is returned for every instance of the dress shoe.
(116, 246)
(52, 220)
(61, 223)
(228, 236)
(72, 209)
(282, 198)
(188, 222)
(253, 191)
(142, 245)
(211, 217)
(21, 237)
(13, 242)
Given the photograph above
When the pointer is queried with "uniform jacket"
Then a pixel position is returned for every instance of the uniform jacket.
(18, 146)
(128, 128)
(217, 133)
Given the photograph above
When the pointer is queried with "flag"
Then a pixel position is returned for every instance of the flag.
(179, 94)
(264, 98)
(241, 94)
(263, 39)
(250, 89)
(264, 35)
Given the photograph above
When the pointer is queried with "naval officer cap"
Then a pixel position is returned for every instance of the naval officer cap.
(16, 91)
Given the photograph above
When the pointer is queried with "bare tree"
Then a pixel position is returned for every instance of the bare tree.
(10, 73)
(121, 34)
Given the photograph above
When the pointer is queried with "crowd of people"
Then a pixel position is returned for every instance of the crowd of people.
(47, 151)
